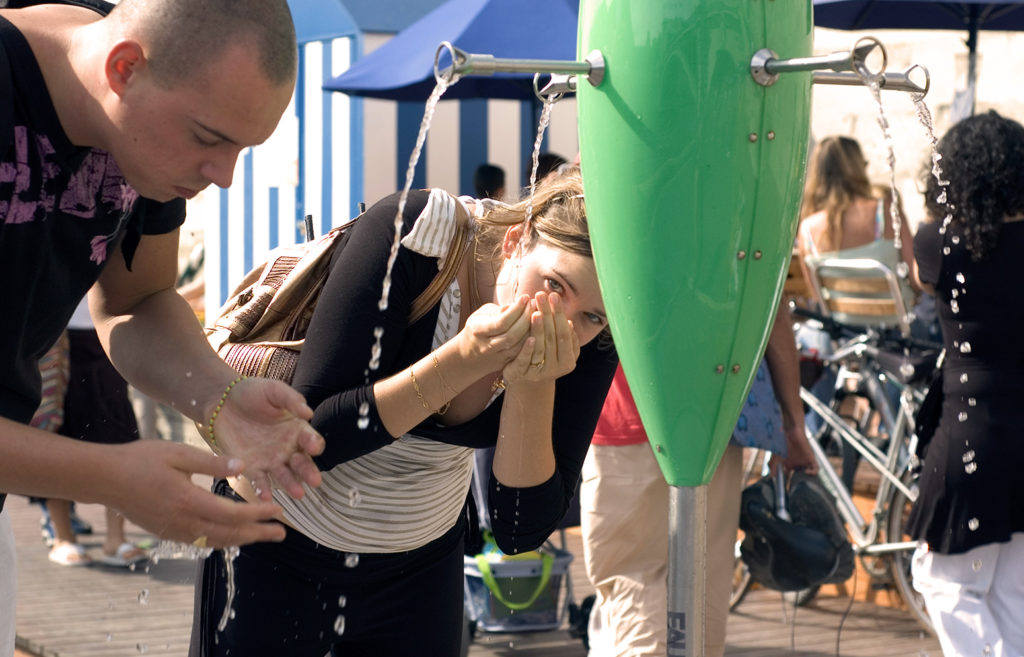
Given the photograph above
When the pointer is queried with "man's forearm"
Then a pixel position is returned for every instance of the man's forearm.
(160, 348)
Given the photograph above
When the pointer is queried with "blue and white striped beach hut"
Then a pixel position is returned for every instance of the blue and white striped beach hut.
(330, 152)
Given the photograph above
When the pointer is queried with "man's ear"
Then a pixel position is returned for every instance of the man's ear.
(124, 61)
(511, 242)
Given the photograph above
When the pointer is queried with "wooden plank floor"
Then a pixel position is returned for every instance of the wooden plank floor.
(104, 612)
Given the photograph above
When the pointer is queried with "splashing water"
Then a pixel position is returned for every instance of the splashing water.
(883, 123)
(339, 625)
(410, 171)
(378, 332)
(175, 550)
(364, 415)
(229, 568)
(428, 116)
(545, 120)
(924, 115)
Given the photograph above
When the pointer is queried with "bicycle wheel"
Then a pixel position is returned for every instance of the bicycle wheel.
(899, 508)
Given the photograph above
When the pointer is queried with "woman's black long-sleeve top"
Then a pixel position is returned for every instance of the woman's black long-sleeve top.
(335, 376)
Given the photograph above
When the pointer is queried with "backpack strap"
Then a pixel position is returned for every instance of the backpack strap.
(456, 253)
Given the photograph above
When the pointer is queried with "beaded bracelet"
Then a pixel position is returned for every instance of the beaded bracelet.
(220, 405)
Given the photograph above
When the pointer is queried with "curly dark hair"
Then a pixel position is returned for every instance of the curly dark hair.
(983, 160)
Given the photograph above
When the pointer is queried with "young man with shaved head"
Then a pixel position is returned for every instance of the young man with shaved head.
(107, 123)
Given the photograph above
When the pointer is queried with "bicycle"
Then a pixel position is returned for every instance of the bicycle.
(869, 363)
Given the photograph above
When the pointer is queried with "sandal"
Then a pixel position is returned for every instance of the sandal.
(126, 555)
(69, 554)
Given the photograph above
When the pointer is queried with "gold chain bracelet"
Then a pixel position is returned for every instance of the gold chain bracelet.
(416, 388)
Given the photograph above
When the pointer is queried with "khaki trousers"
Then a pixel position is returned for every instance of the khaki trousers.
(624, 505)
(8, 578)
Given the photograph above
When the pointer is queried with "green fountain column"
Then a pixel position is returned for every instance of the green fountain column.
(692, 173)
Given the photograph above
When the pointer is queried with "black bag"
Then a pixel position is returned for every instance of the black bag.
(809, 549)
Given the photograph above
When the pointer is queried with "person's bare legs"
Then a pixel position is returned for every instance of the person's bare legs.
(116, 538)
(64, 538)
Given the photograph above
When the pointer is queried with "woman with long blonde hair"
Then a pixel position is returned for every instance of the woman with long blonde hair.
(843, 217)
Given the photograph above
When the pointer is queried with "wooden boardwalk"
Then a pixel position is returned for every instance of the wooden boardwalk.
(104, 612)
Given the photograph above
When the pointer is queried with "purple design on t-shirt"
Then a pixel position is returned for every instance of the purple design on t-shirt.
(99, 249)
(20, 209)
(95, 187)
(97, 180)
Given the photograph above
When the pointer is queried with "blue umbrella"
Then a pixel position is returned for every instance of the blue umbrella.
(968, 15)
(403, 68)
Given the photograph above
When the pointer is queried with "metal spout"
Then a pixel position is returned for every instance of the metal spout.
(889, 80)
(463, 63)
(765, 65)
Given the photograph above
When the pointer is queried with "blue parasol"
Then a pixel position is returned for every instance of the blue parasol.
(968, 15)
(402, 69)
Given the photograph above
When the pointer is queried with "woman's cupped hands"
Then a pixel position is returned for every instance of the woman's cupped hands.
(552, 347)
(530, 339)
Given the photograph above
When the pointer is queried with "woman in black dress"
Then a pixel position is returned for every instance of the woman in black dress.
(970, 512)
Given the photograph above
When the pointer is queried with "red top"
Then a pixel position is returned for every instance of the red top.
(619, 423)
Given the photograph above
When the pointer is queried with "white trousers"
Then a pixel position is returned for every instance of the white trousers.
(976, 599)
(624, 520)
(8, 582)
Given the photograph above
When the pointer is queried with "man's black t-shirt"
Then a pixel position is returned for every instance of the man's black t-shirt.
(64, 212)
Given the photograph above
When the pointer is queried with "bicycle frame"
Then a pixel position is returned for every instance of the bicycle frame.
(890, 464)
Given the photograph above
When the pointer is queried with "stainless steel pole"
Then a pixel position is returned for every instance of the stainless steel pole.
(687, 556)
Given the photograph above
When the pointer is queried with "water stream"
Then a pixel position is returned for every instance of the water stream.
(894, 207)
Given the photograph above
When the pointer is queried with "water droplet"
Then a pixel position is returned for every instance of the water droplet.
(351, 560)
(144, 597)
(963, 378)
(188, 375)
(954, 305)
(968, 456)
(141, 648)
(902, 270)
(110, 637)
(988, 649)
(324, 606)
(971, 467)
(976, 565)
(962, 416)
(906, 370)
(945, 250)
(960, 278)
(339, 624)
(955, 292)
(342, 601)
(941, 198)
(364, 415)
(354, 497)
(965, 348)
(971, 401)
(955, 239)
(193, 402)
(973, 524)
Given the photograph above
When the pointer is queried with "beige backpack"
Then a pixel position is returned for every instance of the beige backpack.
(261, 328)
